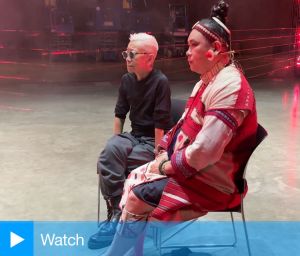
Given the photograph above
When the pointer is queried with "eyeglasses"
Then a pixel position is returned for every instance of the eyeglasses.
(132, 54)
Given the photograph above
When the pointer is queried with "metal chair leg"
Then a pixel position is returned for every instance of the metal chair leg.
(158, 233)
(99, 199)
(245, 230)
(188, 223)
(234, 230)
(159, 241)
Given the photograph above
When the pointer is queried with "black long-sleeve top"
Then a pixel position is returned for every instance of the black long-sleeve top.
(148, 102)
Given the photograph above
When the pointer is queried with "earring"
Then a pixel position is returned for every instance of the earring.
(209, 54)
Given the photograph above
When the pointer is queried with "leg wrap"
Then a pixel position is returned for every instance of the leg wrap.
(133, 225)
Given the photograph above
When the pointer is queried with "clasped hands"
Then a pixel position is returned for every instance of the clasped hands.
(154, 165)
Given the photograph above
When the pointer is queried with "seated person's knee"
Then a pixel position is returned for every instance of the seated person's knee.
(133, 202)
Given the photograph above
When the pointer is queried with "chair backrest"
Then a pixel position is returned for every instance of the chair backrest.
(177, 109)
(261, 134)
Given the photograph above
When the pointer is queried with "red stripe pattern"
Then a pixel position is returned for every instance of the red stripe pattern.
(224, 116)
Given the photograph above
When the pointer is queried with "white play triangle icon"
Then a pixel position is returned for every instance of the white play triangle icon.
(15, 239)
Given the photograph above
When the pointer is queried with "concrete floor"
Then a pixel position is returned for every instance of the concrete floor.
(51, 135)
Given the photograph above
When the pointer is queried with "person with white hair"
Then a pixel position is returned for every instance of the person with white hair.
(144, 93)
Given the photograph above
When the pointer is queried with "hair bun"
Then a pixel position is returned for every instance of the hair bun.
(220, 11)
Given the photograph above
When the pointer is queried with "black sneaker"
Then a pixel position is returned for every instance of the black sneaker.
(107, 230)
(104, 236)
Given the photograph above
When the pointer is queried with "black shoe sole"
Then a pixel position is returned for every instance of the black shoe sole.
(98, 244)
(94, 246)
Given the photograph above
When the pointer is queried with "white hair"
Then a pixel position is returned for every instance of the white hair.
(146, 39)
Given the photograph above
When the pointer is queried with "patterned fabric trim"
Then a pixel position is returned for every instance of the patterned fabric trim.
(203, 30)
(224, 116)
(173, 198)
(221, 24)
(164, 142)
(180, 164)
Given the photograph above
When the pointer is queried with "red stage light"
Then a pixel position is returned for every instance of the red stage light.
(298, 61)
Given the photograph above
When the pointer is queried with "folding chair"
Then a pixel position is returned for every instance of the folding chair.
(260, 136)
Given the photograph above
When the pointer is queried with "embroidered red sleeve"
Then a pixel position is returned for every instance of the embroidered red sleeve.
(181, 166)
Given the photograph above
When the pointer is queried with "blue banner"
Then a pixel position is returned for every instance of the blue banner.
(213, 238)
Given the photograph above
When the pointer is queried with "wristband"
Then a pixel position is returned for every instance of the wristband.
(161, 167)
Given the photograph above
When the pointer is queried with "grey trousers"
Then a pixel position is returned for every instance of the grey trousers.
(122, 154)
